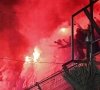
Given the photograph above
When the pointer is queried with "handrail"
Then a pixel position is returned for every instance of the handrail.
(49, 77)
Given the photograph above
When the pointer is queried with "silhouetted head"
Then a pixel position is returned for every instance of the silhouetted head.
(78, 30)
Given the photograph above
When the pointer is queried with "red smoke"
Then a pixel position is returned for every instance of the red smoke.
(25, 24)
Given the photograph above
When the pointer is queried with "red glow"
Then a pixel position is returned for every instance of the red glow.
(28, 28)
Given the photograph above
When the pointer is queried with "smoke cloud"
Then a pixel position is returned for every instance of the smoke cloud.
(25, 24)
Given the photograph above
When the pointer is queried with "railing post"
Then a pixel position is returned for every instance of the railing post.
(65, 68)
(37, 84)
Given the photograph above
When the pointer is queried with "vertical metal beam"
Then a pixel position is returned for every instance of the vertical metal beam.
(72, 38)
(91, 12)
(91, 26)
(91, 46)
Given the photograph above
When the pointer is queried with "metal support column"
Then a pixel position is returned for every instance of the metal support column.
(72, 38)
(91, 46)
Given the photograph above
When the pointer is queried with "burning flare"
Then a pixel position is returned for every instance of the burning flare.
(27, 59)
(63, 31)
(36, 54)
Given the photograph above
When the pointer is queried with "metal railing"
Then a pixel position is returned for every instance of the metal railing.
(53, 82)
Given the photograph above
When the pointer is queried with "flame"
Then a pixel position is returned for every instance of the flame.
(35, 57)
(36, 54)
(27, 59)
